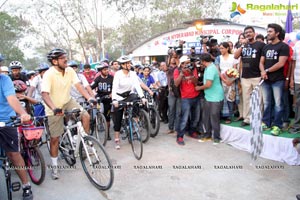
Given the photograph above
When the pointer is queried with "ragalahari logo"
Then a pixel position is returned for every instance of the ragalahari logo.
(236, 10)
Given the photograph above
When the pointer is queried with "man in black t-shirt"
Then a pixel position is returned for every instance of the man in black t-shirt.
(274, 56)
(16, 74)
(103, 85)
(250, 53)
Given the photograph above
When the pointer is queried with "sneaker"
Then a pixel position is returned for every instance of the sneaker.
(27, 193)
(194, 135)
(54, 173)
(216, 142)
(294, 130)
(180, 141)
(265, 127)
(205, 138)
(170, 132)
(275, 130)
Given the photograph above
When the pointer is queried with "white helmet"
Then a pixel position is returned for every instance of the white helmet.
(124, 59)
(15, 65)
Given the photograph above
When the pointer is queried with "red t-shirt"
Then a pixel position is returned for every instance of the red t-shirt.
(187, 87)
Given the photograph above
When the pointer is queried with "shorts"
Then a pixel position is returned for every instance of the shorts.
(56, 123)
(9, 139)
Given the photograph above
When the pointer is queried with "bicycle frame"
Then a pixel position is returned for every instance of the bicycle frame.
(80, 134)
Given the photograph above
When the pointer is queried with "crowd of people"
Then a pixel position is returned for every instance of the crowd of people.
(194, 94)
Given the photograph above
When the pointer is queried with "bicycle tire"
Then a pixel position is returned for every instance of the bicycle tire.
(4, 189)
(154, 121)
(33, 165)
(100, 128)
(100, 167)
(65, 148)
(136, 141)
(47, 135)
(144, 125)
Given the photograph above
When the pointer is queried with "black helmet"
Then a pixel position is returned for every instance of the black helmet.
(55, 53)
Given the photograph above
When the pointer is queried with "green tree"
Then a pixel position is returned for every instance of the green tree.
(11, 29)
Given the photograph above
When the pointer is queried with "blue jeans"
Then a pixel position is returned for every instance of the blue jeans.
(187, 105)
(174, 112)
(273, 91)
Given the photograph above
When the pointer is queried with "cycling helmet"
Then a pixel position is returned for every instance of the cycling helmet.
(104, 60)
(15, 65)
(1, 57)
(20, 86)
(30, 73)
(124, 59)
(72, 63)
(55, 53)
(101, 66)
(43, 67)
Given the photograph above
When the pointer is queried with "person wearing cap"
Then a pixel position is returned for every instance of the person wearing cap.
(75, 94)
(89, 73)
(186, 78)
(103, 85)
(4, 70)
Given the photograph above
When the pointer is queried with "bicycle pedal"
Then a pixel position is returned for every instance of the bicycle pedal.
(15, 186)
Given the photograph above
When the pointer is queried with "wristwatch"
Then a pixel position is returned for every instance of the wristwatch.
(267, 70)
(287, 78)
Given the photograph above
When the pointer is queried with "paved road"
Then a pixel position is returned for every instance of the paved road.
(218, 173)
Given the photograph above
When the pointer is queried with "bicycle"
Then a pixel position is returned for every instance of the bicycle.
(154, 117)
(143, 122)
(6, 184)
(29, 144)
(130, 129)
(98, 122)
(94, 159)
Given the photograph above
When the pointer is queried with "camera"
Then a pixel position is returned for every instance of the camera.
(206, 36)
(190, 67)
(177, 49)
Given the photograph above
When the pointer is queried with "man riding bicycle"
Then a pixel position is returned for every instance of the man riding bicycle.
(56, 86)
(9, 140)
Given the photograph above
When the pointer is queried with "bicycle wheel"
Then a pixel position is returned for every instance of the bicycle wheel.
(144, 125)
(65, 148)
(100, 128)
(4, 190)
(96, 163)
(136, 141)
(35, 164)
(154, 121)
(46, 134)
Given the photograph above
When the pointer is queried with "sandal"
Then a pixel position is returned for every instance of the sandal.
(117, 145)
(239, 119)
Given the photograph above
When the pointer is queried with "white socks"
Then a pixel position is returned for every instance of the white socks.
(54, 161)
